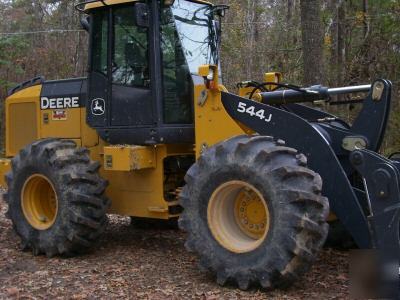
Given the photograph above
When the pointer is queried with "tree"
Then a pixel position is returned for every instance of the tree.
(343, 42)
(312, 41)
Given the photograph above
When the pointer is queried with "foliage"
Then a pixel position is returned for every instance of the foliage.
(361, 42)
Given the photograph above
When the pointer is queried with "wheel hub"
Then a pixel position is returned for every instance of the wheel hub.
(39, 202)
(250, 214)
(238, 216)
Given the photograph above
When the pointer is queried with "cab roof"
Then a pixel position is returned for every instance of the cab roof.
(87, 5)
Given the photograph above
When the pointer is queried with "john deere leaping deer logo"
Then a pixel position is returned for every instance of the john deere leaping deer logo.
(98, 107)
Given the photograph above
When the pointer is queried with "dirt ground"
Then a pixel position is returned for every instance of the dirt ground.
(142, 264)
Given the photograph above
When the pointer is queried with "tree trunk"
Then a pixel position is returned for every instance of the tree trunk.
(251, 32)
(312, 40)
(366, 45)
(290, 7)
(341, 44)
(365, 16)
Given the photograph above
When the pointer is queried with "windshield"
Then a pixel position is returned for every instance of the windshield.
(197, 31)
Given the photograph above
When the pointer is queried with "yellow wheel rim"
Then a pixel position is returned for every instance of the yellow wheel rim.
(39, 202)
(238, 216)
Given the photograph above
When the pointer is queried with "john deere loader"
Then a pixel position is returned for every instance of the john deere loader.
(152, 133)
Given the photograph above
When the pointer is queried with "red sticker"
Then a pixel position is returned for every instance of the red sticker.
(59, 115)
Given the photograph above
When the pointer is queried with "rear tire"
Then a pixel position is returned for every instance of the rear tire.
(72, 218)
(295, 212)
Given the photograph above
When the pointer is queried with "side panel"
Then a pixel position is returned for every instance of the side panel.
(140, 193)
(22, 121)
(212, 123)
(5, 167)
(64, 123)
(61, 102)
(89, 136)
(63, 115)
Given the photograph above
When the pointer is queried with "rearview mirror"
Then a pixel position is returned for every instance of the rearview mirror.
(85, 23)
(142, 15)
(168, 3)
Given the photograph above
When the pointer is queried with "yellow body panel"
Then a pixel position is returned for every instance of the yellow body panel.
(129, 158)
(89, 136)
(140, 193)
(213, 124)
(66, 128)
(107, 2)
(22, 121)
(26, 123)
(5, 167)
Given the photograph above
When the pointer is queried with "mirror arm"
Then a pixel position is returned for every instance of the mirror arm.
(85, 23)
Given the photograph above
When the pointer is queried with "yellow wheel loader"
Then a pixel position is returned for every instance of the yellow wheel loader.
(152, 133)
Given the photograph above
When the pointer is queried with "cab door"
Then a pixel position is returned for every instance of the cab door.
(98, 82)
(131, 97)
(119, 79)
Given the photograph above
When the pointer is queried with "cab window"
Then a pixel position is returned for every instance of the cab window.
(100, 41)
(177, 80)
(130, 57)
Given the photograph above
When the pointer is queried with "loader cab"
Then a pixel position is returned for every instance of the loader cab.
(144, 59)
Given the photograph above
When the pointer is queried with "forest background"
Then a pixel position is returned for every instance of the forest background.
(329, 42)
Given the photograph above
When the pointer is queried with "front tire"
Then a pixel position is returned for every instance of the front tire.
(254, 212)
(56, 198)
